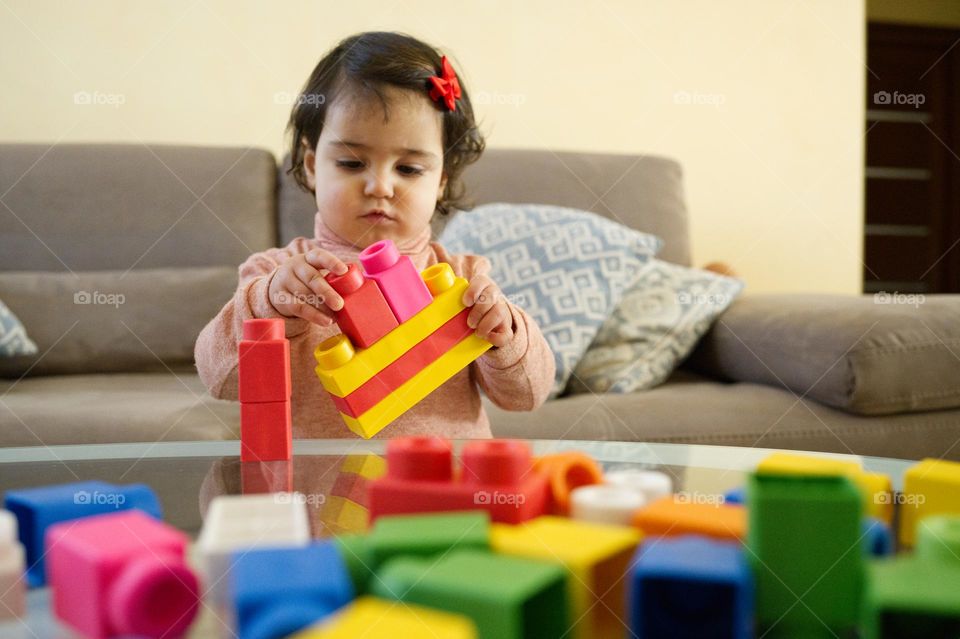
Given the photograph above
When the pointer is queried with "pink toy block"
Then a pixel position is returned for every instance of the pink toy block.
(264, 361)
(266, 431)
(365, 316)
(404, 367)
(397, 277)
(121, 574)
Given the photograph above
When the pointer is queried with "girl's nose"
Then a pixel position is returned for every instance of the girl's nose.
(379, 186)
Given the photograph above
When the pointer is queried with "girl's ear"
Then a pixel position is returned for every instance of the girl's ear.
(309, 165)
(443, 186)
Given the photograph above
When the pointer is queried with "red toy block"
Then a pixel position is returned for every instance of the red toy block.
(121, 574)
(264, 361)
(257, 478)
(365, 316)
(495, 476)
(404, 367)
(266, 432)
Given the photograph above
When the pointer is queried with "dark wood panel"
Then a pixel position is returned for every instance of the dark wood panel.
(897, 258)
(905, 144)
(898, 202)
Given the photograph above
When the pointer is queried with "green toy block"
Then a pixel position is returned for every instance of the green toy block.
(420, 535)
(804, 544)
(506, 597)
(916, 596)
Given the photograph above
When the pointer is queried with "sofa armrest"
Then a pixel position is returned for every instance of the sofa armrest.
(871, 354)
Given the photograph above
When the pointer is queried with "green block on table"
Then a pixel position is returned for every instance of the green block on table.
(917, 596)
(506, 597)
(421, 535)
(805, 548)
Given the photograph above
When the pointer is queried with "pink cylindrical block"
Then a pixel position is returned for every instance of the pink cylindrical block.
(398, 279)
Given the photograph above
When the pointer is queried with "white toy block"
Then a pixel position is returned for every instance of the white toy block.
(652, 484)
(13, 586)
(605, 504)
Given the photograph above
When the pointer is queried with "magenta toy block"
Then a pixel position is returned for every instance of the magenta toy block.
(397, 277)
(264, 361)
(365, 316)
(121, 574)
(266, 431)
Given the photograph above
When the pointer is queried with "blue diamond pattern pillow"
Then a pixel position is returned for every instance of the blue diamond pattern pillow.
(567, 268)
(13, 337)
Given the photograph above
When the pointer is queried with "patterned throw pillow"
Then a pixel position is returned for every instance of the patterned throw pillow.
(656, 326)
(13, 337)
(567, 268)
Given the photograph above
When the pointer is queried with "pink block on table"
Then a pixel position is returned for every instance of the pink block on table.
(397, 277)
(121, 574)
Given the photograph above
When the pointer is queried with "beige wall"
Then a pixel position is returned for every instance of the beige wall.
(762, 101)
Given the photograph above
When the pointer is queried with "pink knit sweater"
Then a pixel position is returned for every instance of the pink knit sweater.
(517, 376)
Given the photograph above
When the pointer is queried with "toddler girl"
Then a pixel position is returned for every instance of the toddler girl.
(382, 152)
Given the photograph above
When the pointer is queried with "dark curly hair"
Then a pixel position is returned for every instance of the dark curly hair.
(370, 62)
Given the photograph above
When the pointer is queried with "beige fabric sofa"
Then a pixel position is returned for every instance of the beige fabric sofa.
(115, 256)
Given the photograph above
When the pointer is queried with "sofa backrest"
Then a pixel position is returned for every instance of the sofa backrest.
(641, 191)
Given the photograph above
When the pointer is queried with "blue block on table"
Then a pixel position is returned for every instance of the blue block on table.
(36, 509)
(877, 538)
(691, 587)
(736, 495)
(278, 591)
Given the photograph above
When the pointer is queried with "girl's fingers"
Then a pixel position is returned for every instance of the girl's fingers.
(476, 287)
(323, 293)
(300, 304)
(485, 301)
(493, 327)
(320, 259)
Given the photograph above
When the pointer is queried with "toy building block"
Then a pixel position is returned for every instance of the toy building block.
(343, 370)
(264, 380)
(397, 278)
(279, 591)
(398, 372)
(365, 316)
(596, 559)
(805, 539)
(342, 515)
(121, 574)
(652, 484)
(605, 504)
(257, 478)
(372, 618)
(13, 585)
(235, 522)
(365, 465)
(877, 538)
(736, 495)
(691, 587)
(420, 535)
(36, 509)
(675, 515)
(876, 488)
(506, 597)
(495, 476)
(930, 487)
(567, 471)
(916, 596)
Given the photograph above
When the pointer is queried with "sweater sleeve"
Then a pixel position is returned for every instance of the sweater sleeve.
(215, 352)
(519, 375)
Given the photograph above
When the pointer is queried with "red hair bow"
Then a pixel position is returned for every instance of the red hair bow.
(446, 86)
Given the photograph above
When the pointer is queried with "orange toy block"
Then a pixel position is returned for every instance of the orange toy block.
(566, 471)
(675, 515)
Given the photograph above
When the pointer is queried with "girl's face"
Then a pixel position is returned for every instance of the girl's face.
(377, 178)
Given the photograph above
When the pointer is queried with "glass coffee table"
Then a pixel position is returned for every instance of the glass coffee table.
(188, 475)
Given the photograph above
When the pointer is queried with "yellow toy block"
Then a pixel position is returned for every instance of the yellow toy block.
(367, 466)
(876, 488)
(930, 487)
(417, 387)
(343, 370)
(596, 558)
(373, 618)
(343, 515)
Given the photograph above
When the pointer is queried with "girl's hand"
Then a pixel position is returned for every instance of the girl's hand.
(299, 290)
(491, 315)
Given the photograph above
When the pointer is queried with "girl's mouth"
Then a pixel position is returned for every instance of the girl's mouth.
(377, 217)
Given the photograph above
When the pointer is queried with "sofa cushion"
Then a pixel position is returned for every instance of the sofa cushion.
(103, 321)
(568, 269)
(13, 337)
(872, 355)
(655, 326)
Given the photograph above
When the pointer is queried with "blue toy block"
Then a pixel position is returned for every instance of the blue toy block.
(36, 509)
(278, 591)
(877, 537)
(691, 587)
(736, 495)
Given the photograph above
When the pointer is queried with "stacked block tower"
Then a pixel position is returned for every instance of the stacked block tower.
(264, 370)
(403, 335)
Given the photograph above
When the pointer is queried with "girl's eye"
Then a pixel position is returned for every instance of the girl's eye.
(350, 164)
(410, 170)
